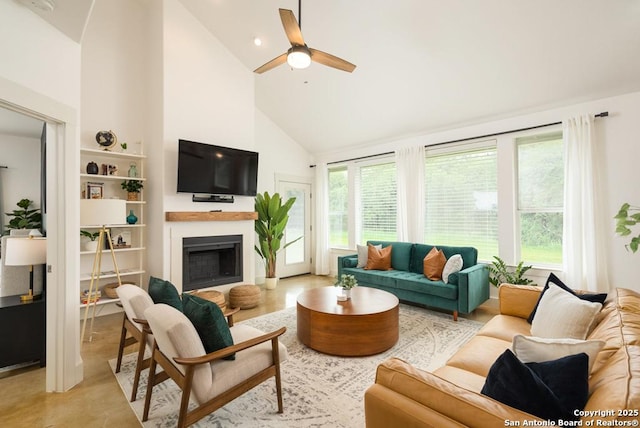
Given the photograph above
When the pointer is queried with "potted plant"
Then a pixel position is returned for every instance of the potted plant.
(25, 218)
(91, 244)
(269, 226)
(347, 282)
(499, 273)
(624, 220)
(132, 187)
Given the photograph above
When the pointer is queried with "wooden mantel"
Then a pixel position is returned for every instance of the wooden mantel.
(210, 215)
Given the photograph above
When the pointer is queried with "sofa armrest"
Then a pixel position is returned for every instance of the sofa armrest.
(518, 300)
(346, 261)
(473, 287)
(447, 399)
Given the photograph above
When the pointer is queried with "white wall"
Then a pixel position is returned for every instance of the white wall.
(36, 55)
(21, 155)
(279, 154)
(618, 139)
(114, 72)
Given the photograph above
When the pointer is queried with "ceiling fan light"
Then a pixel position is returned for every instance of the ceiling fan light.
(299, 57)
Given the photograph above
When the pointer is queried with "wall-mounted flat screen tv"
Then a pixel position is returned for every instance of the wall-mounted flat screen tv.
(216, 170)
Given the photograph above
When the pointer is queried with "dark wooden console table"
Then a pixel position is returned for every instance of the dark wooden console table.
(22, 331)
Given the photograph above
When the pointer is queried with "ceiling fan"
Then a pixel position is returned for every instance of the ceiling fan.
(299, 55)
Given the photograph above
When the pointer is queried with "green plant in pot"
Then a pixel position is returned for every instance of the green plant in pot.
(500, 273)
(91, 244)
(272, 220)
(628, 216)
(133, 188)
(25, 218)
(347, 282)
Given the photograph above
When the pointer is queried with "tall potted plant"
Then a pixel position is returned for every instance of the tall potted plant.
(272, 220)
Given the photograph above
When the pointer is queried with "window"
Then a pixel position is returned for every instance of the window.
(377, 202)
(540, 198)
(461, 197)
(338, 207)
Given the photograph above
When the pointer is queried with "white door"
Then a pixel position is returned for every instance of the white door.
(296, 258)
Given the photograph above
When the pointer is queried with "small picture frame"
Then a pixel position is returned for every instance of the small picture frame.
(95, 190)
(122, 239)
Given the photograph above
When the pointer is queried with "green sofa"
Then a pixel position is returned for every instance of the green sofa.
(463, 292)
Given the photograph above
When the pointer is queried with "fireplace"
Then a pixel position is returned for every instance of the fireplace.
(209, 261)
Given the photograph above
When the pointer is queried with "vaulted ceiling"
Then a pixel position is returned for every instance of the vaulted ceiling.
(425, 65)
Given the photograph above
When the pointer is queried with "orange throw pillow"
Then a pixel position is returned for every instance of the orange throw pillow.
(433, 264)
(379, 259)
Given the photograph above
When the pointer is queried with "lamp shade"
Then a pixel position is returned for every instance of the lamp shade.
(26, 251)
(98, 212)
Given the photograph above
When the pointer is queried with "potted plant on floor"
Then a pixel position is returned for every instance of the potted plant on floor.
(499, 273)
(272, 220)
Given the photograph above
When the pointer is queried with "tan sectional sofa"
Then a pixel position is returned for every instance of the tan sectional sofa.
(405, 396)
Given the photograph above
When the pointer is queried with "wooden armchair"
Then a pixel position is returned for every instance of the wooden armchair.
(207, 378)
(134, 301)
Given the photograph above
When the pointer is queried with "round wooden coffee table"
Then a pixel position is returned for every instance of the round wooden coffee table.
(366, 324)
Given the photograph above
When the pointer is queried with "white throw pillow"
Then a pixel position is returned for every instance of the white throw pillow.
(453, 265)
(363, 254)
(539, 349)
(562, 315)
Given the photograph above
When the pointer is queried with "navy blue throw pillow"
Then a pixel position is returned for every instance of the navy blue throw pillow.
(550, 390)
(597, 298)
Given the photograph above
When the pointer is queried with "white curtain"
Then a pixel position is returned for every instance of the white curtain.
(322, 220)
(410, 191)
(583, 240)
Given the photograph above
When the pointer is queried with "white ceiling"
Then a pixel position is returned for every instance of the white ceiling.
(425, 65)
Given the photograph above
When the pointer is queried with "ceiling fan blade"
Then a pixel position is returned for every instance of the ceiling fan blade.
(272, 64)
(331, 61)
(291, 27)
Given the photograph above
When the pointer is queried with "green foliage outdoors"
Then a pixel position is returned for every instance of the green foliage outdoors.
(459, 210)
(624, 220)
(25, 218)
(270, 226)
(500, 273)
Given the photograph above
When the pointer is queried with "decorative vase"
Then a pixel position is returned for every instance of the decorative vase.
(347, 293)
(92, 168)
(133, 170)
(270, 283)
(132, 196)
(131, 218)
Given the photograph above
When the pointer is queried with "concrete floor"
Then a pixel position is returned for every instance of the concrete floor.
(98, 400)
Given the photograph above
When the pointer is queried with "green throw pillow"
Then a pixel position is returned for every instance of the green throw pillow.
(210, 323)
(162, 291)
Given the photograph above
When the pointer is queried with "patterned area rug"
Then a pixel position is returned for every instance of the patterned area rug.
(318, 389)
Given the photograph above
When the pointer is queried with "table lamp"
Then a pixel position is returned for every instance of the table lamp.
(100, 213)
(27, 251)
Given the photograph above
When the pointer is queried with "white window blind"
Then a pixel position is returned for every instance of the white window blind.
(377, 208)
(461, 202)
(338, 207)
(540, 198)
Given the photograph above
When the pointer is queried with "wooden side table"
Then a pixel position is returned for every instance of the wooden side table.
(22, 331)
